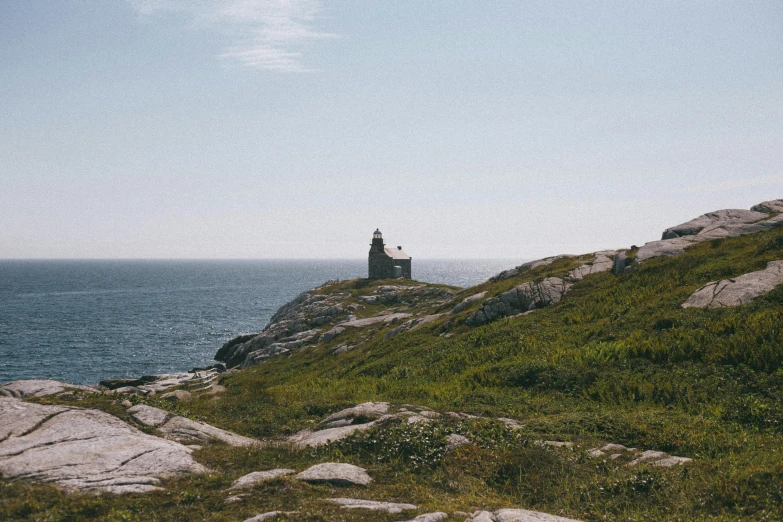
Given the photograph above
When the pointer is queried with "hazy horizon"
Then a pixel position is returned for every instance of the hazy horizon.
(174, 129)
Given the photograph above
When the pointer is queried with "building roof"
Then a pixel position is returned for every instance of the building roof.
(396, 253)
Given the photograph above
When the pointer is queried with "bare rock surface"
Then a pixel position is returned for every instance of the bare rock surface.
(659, 458)
(525, 297)
(183, 429)
(468, 301)
(148, 384)
(536, 294)
(84, 449)
(280, 346)
(331, 334)
(294, 325)
(413, 323)
(430, 517)
(455, 440)
(374, 505)
(369, 321)
(149, 415)
(603, 262)
(774, 206)
(713, 221)
(714, 225)
(530, 265)
(309, 438)
(367, 409)
(335, 473)
(270, 515)
(737, 291)
(515, 515)
(257, 477)
(40, 388)
(633, 456)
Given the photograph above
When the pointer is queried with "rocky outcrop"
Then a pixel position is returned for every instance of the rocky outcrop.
(523, 298)
(84, 449)
(314, 317)
(369, 321)
(280, 346)
(148, 384)
(437, 516)
(413, 323)
(331, 334)
(257, 477)
(367, 410)
(373, 505)
(183, 429)
(270, 515)
(515, 515)
(362, 417)
(713, 221)
(530, 265)
(774, 206)
(714, 225)
(633, 456)
(309, 438)
(602, 262)
(41, 388)
(465, 303)
(291, 327)
(737, 291)
(538, 294)
(335, 473)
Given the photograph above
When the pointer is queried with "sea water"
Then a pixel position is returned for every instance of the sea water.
(83, 321)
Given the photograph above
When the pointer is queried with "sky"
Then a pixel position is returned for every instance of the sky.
(461, 129)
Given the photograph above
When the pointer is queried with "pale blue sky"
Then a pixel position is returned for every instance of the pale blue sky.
(239, 128)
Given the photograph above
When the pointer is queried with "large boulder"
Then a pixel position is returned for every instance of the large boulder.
(309, 438)
(257, 477)
(84, 449)
(373, 505)
(367, 410)
(737, 291)
(335, 473)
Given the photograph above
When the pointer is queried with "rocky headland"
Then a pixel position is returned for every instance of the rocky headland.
(151, 435)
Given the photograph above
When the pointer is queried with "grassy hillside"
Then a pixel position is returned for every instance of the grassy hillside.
(617, 360)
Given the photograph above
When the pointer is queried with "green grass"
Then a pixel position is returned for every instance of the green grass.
(617, 360)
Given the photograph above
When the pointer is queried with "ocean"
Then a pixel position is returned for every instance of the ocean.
(82, 321)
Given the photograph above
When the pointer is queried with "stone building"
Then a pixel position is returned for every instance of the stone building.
(387, 262)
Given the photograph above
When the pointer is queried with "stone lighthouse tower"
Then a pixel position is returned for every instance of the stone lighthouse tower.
(387, 262)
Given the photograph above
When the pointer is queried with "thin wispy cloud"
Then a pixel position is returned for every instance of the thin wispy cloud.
(269, 33)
